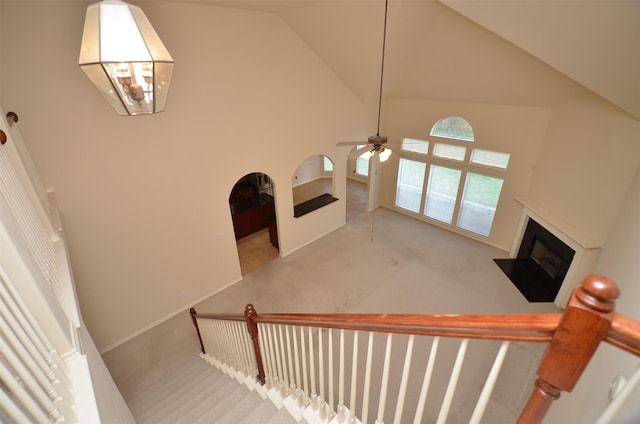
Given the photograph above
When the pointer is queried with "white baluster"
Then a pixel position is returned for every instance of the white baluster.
(426, 381)
(31, 325)
(341, 409)
(483, 400)
(367, 380)
(33, 359)
(330, 353)
(252, 365)
(292, 384)
(300, 393)
(354, 376)
(24, 398)
(402, 393)
(385, 380)
(453, 381)
(285, 377)
(41, 394)
(276, 392)
(305, 374)
(11, 409)
(264, 345)
(228, 356)
(234, 359)
(321, 393)
(312, 364)
(276, 356)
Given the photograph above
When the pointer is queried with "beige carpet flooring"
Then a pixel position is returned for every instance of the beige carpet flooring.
(402, 266)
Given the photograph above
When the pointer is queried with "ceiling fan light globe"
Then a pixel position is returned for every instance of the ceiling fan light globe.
(384, 154)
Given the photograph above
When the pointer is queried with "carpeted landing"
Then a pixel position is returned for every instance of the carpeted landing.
(198, 393)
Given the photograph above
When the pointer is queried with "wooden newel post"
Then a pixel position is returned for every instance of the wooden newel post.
(193, 314)
(583, 326)
(249, 315)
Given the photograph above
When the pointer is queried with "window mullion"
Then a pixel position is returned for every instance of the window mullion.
(461, 188)
(425, 183)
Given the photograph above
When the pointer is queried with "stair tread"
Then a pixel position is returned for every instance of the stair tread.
(198, 393)
(249, 403)
(281, 417)
(205, 384)
(153, 393)
(226, 407)
(257, 415)
(201, 404)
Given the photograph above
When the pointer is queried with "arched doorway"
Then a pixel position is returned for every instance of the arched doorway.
(255, 223)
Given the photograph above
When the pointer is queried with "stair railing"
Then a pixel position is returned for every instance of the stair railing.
(292, 357)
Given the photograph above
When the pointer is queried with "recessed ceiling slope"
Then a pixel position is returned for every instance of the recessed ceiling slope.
(596, 43)
(532, 53)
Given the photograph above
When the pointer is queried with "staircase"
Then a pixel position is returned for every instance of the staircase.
(198, 393)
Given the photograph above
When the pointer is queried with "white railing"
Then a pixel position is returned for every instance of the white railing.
(306, 367)
(38, 387)
(229, 349)
(316, 403)
(418, 368)
(31, 229)
(44, 365)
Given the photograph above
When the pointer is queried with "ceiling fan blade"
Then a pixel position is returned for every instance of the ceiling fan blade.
(351, 143)
(359, 152)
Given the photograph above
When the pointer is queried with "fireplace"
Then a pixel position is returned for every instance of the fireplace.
(541, 264)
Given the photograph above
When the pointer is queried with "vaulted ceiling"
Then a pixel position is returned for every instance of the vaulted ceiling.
(595, 44)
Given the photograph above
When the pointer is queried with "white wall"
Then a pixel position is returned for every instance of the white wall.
(309, 170)
(145, 199)
(619, 261)
(519, 131)
(590, 155)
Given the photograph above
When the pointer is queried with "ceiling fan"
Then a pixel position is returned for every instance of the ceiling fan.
(375, 143)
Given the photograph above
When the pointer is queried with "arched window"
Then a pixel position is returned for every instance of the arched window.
(453, 127)
(448, 181)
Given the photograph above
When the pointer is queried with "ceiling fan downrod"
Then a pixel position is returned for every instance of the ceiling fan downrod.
(384, 42)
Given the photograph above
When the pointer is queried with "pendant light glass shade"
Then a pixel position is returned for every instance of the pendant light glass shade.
(124, 57)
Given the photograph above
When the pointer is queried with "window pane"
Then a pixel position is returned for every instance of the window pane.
(362, 163)
(410, 183)
(489, 158)
(449, 152)
(417, 146)
(479, 202)
(442, 192)
(453, 127)
(327, 164)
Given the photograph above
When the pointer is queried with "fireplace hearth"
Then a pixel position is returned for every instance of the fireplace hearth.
(541, 264)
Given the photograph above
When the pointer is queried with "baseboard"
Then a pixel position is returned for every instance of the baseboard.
(181, 310)
(284, 254)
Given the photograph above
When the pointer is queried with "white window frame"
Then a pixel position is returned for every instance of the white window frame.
(466, 166)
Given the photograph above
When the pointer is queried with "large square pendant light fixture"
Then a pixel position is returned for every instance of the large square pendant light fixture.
(124, 57)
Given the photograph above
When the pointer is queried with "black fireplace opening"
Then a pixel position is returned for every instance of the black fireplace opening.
(541, 264)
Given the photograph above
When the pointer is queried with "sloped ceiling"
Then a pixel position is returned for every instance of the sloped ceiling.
(596, 44)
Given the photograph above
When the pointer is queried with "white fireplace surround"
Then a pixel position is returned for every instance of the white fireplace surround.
(583, 260)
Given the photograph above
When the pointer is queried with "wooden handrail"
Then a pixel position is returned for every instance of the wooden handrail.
(518, 327)
(193, 314)
(525, 327)
(624, 334)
